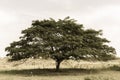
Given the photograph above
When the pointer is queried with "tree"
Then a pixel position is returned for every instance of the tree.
(60, 40)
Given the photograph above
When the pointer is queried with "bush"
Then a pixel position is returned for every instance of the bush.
(115, 67)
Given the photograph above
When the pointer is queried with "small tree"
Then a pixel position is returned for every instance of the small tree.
(60, 40)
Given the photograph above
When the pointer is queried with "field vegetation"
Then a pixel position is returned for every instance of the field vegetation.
(42, 69)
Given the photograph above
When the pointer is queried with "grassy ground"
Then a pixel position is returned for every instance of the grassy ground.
(70, 70)
(51, 75)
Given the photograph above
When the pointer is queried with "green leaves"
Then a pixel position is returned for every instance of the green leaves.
(59, 40)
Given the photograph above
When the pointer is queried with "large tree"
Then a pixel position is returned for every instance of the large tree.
(60, 40)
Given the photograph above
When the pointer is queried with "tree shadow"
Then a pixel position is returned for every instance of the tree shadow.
(50, 72)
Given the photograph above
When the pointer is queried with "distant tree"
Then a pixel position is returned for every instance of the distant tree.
(60, 40)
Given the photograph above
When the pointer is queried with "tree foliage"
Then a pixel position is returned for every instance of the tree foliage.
(60, 40)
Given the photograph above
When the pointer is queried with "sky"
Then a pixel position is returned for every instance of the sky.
(17, 15)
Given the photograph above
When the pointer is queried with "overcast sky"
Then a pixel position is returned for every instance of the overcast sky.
(17, 15)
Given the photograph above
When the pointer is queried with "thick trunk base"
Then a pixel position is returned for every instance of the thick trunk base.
(58, 65)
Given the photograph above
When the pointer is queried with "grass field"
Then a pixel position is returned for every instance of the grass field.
(40, 69)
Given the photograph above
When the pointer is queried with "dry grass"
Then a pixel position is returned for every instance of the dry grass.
(40, 69)
(43, 64)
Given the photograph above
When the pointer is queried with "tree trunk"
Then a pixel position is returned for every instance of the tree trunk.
(58, 65)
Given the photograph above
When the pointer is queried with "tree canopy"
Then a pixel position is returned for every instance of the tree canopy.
(60, 40)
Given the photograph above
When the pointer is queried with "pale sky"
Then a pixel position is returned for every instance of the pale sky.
(17, 15)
